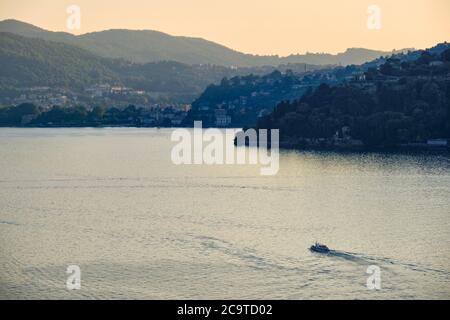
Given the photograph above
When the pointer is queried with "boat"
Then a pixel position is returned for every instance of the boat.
(320, 248)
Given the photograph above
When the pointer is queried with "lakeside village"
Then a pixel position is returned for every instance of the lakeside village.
(105, 105)
(122, 106)
(46, 100)
(108, 105)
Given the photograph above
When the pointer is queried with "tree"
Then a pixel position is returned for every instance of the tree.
(98, 113)
(445, 56)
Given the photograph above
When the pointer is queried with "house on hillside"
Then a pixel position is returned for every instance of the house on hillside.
(222, 119)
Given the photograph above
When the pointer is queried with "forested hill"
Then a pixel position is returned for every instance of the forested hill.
(28, 62)
(144, 46)
(245, 98)
(400, 102)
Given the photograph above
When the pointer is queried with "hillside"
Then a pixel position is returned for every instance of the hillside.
(244, 98)
(143, 46)
(32, 62)
(28, 62)
(399, 103)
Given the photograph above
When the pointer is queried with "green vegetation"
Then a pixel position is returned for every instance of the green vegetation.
(12, 116)
(28, 115)
(31, 62)
(144, 46)
(244, 98)
(28, 62)
(401, 102)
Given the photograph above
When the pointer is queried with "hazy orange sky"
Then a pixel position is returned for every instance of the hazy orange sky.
(255, 26)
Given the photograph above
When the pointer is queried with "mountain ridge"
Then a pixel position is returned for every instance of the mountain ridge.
(34, 62)
(143, 46)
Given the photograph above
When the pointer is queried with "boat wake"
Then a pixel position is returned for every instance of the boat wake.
(366, 259)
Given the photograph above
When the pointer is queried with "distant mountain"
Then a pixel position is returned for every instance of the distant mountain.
(351, 56)
(28, 62)
(143, 46)
(32, 62)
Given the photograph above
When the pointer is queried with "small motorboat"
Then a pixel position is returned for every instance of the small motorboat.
(321, 248)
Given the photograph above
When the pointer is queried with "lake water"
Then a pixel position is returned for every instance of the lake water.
(139, 227)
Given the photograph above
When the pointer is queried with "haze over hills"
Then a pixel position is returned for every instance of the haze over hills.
(30, 62)
(143, 46)
(33, 62)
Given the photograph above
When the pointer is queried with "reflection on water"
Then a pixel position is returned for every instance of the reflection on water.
(112, 202)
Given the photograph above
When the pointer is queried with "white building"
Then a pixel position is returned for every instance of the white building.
(437, 142)
(222, 119)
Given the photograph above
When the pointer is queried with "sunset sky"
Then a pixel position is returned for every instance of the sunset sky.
(255, 26)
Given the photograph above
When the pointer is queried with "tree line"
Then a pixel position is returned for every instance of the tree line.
(397, 103)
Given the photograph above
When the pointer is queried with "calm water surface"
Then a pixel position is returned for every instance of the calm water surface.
(112, 202)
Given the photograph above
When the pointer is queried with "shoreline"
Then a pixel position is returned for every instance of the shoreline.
(403, 149)
(368, 150)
